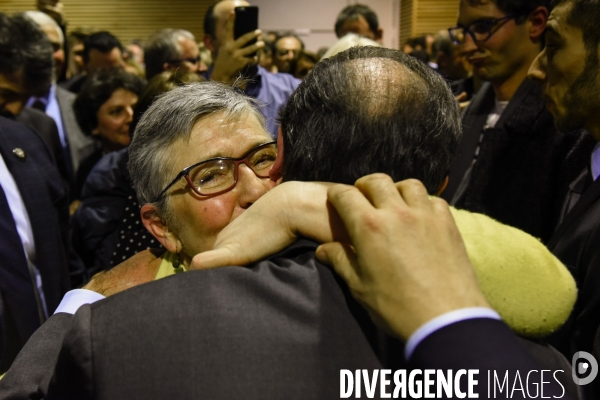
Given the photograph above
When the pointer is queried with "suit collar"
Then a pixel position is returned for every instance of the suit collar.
(588, 192)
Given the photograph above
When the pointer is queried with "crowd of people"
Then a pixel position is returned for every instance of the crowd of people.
(242, 217)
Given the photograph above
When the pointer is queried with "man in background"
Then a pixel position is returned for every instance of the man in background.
(170, 50)
(567, 70)
(101, 50)
(512, 163)
(234, 61)
(359, 19)
(33, 200)
(57, 103)
(287, 50)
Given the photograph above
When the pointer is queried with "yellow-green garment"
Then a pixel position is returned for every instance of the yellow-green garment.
(530, 288)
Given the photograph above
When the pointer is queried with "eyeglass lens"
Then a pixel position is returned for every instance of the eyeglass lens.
(218, 175)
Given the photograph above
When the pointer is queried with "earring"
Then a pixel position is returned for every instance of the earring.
(177, 264)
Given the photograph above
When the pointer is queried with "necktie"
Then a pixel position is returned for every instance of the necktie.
(20, 312)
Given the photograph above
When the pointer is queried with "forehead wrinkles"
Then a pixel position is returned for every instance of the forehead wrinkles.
(380, 84)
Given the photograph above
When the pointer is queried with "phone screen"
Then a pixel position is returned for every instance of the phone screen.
(246, 20)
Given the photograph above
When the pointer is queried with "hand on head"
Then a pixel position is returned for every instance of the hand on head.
(406, 261)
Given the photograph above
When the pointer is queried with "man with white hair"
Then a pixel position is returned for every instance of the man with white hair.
(169, 50)
(57, 102)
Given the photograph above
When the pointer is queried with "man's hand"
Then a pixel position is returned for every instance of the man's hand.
(232, 56)
(407, 263)
(273, 222)
(141, 268)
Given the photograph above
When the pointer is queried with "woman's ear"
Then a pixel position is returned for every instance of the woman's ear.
(159, 229)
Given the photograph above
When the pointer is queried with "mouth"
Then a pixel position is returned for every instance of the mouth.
(477, 62)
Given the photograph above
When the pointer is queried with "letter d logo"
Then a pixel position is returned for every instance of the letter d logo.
(583, 367)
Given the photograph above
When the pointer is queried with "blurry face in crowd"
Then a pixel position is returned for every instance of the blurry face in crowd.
(286, 50)
(189, 60)
(569, 77)
(57, 45)
(497, 58)
(202, 218)
(456, 65)
(99, 60)
(114, 118)
(76, 57)
(13, 95)
(360, 26)
(221, 12)
(136, 52)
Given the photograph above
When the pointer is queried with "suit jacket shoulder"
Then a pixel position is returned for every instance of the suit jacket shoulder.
(31, 372)
(282, 328)
(485, 345)
(45, 126)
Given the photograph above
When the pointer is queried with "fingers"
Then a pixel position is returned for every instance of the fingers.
(414, 193)
(229, 26)
(342, 258)
(461, 97)
(221, 257)
(243, 40)
(349, 204)
(379, 189)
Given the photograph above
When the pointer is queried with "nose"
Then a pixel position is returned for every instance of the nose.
(537, 71)
(469, 45)
(129, 112)
(250, 187)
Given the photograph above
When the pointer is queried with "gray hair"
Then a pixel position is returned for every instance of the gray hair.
(161, 47)
(43, 19)
(348, 41)
(171, 118)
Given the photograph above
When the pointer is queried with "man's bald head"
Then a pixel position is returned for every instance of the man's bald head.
(368, 110)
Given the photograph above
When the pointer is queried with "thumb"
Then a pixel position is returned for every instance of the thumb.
(221, 257)
(342, 258)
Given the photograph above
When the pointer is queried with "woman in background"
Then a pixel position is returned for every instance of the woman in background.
(104, 110)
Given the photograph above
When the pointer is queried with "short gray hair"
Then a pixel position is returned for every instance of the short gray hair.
(348, 41)
(43, 19)
(161, 47)
(170, 118)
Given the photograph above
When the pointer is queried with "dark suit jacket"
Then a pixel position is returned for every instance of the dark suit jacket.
(46, 201)
(283, 328)
(30, 373)
(488, 345)
(576, 243)
(524, 164)
(45, 126)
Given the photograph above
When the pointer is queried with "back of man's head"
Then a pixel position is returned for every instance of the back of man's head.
(352, 13)
(163, 47)
(103, 41)
(25, 49)
(367, 110)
